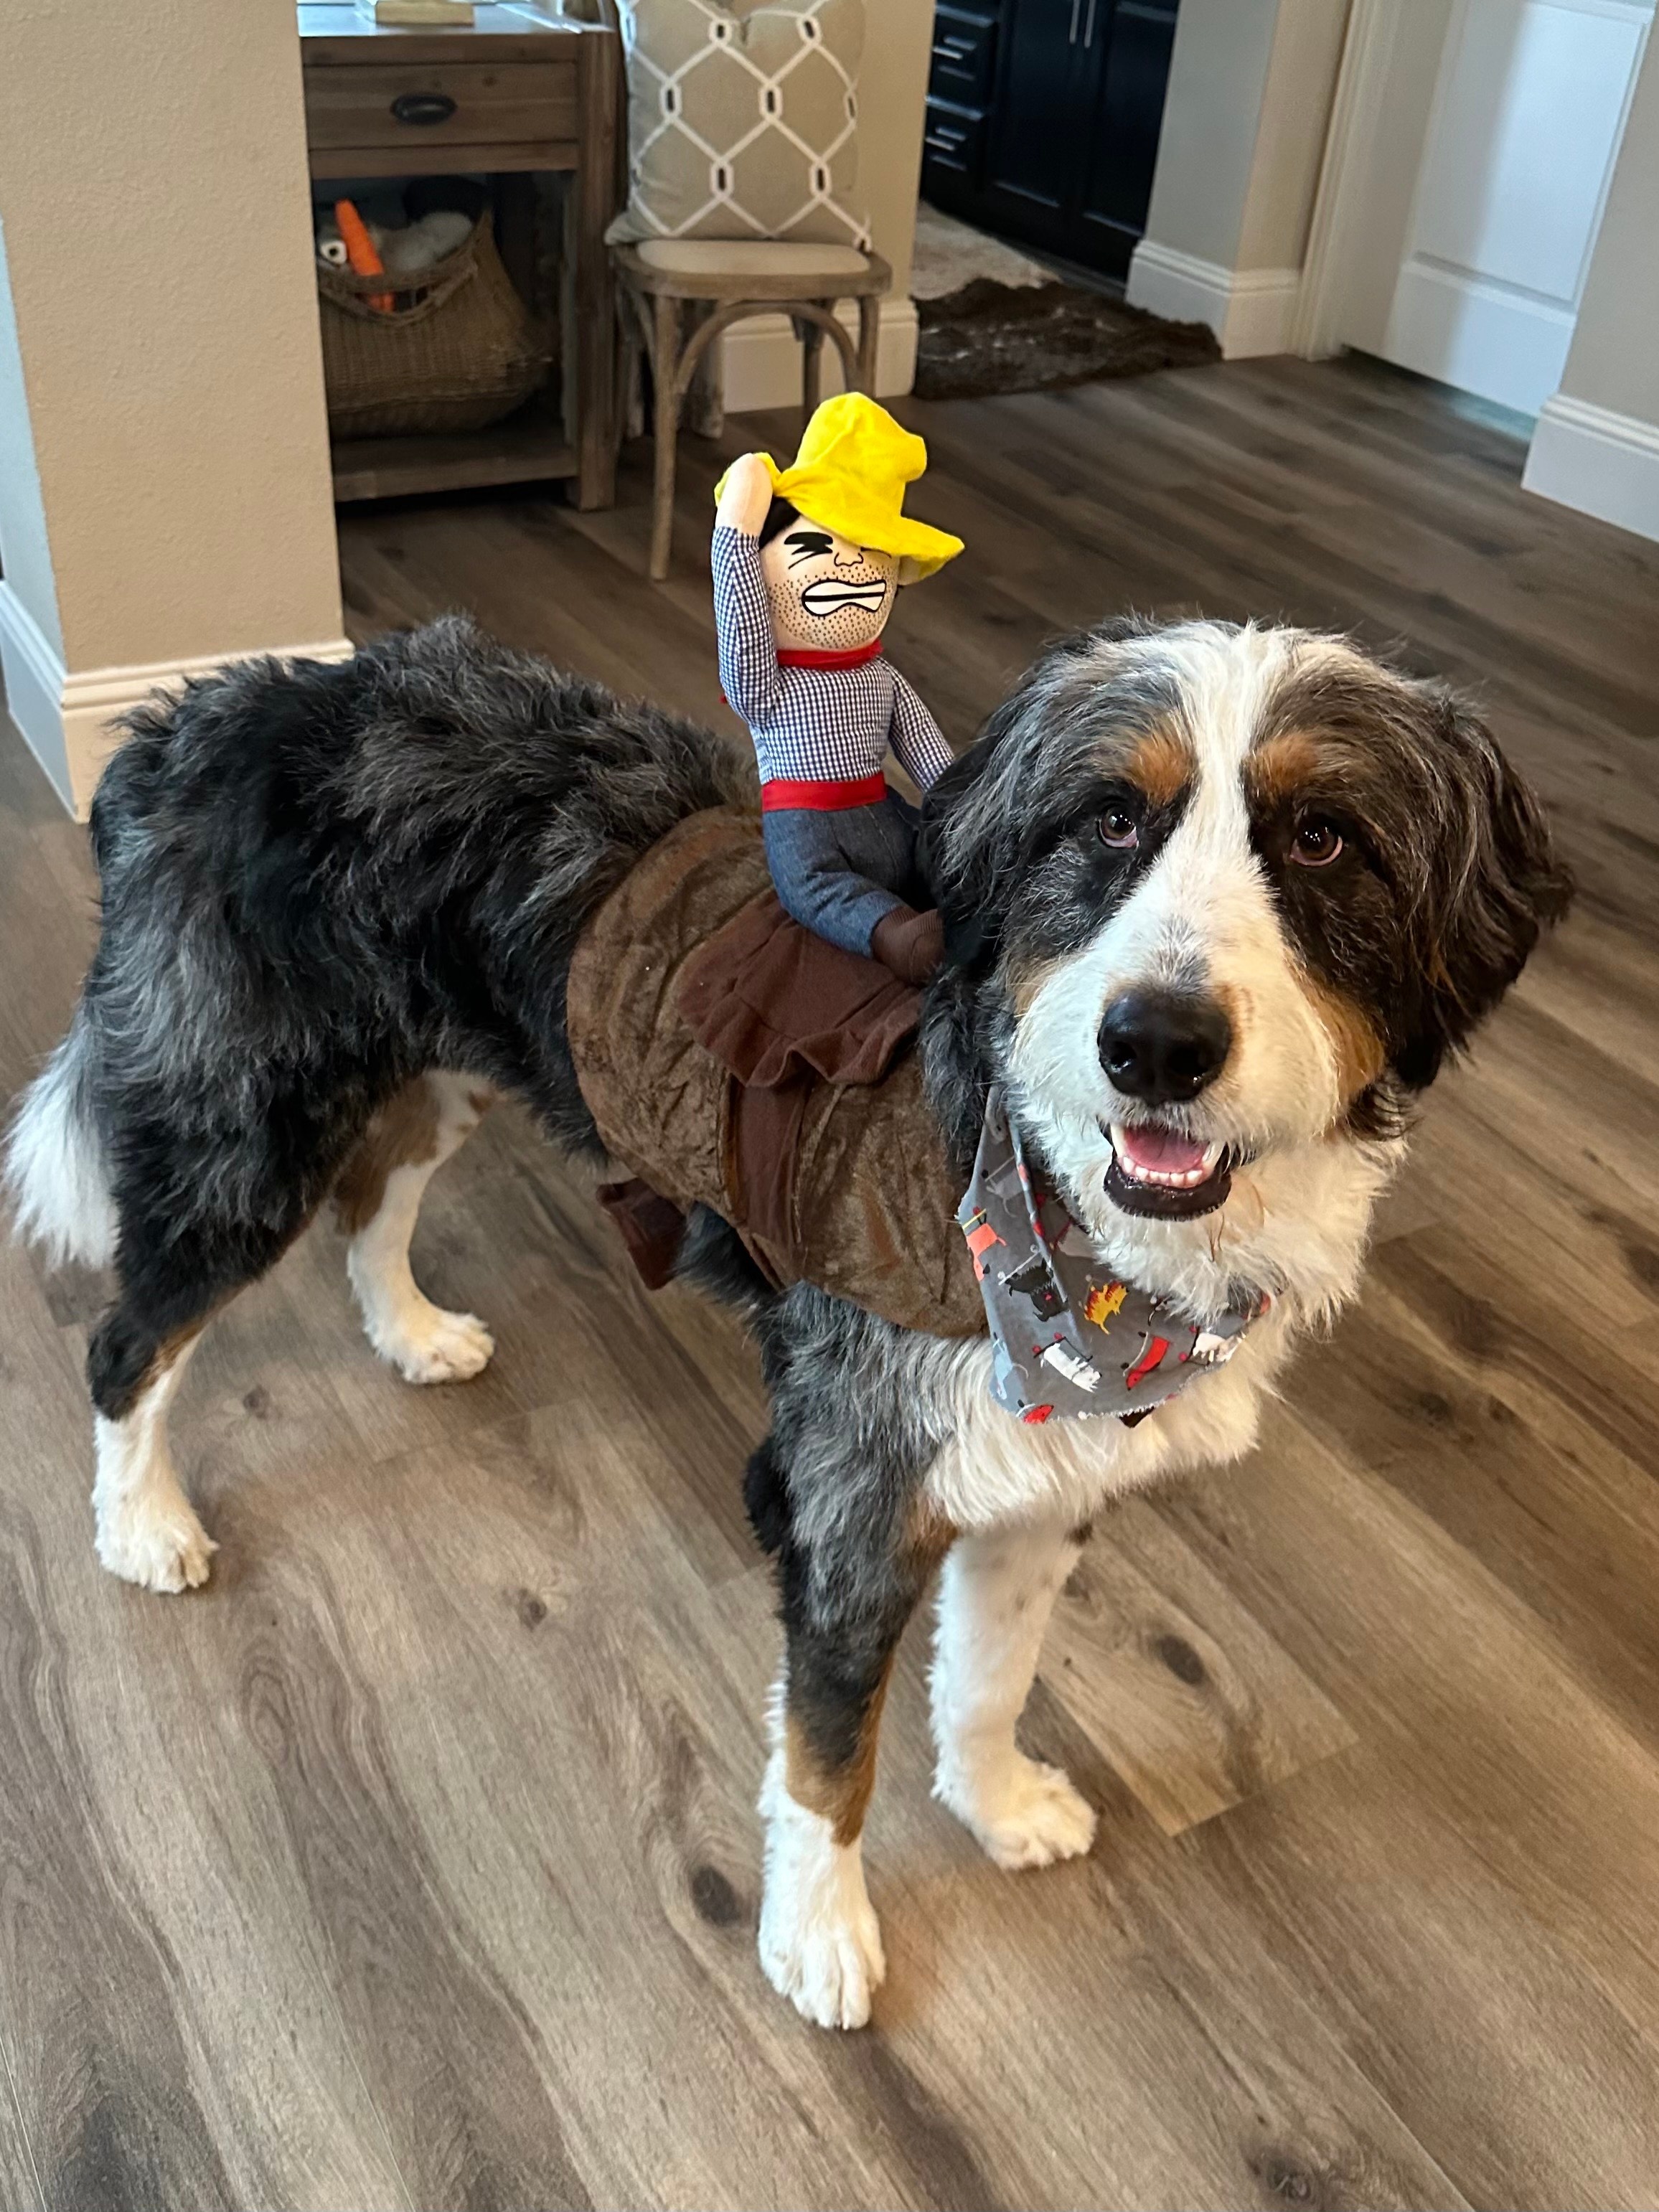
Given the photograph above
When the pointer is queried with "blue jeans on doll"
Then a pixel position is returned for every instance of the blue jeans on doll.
(840, 872)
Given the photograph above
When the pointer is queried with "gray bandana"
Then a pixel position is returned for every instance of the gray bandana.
(1067, 1337)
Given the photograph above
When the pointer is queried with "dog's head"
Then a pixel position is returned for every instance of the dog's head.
(1231, 894)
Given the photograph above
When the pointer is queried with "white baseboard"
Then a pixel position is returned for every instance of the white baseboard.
(65, 718)
(761, 358)
(1603, 463)
(1251, 311)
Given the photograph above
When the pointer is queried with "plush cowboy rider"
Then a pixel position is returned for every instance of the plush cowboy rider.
(806, 561)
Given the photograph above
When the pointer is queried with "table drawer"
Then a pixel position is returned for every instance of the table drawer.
(383, 106)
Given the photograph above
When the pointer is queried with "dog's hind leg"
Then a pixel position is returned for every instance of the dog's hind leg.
(996, 1593)
(377, 1198)
(173, 1281)
(147, 1529)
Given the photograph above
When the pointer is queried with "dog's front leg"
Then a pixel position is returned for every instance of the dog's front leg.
(820, 1942)
(996, 1593)
(846, 1600)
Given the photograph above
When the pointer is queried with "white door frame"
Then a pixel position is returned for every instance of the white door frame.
(1368, 49)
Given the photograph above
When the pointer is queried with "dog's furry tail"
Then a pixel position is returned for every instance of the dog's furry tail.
(57, 1173)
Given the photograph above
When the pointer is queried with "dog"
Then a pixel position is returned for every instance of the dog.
(1218, 903)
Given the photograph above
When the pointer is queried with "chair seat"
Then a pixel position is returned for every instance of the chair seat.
(750, 257)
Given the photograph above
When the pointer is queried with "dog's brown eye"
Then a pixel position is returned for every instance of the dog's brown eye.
(1316, 842)
(1119, 829)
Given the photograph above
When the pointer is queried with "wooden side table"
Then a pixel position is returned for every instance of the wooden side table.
(516, 93)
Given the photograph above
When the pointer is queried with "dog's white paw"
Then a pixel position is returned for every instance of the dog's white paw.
(820, 1942)
(824, 1954)
(1029, 1816)
(161, 1546)
(428, 1345)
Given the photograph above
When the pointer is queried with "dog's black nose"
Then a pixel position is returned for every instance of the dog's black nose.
(1164, 1046)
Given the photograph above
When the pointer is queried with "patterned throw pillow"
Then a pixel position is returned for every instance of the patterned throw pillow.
(744, 124)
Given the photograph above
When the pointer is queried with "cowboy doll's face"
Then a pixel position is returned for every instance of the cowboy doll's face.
(826, 592)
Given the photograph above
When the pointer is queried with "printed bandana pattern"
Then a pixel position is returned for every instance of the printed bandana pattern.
(1068, 1337)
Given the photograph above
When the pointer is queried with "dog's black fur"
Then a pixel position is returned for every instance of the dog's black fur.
(318, 881)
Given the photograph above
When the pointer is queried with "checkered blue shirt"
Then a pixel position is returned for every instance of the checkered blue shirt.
(811, 725)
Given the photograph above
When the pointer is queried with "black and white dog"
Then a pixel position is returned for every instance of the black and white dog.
(1218, 902)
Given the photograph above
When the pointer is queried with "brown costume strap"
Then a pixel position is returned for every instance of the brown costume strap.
(650, 1227)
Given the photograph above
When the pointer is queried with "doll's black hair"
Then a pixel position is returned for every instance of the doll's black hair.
(779, 516)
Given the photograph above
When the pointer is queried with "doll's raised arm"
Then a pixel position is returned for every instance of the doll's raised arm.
(746, 495)
(917, 739)
(743, 612)
(742, 623)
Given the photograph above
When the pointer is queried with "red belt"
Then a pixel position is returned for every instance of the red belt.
(823, 794)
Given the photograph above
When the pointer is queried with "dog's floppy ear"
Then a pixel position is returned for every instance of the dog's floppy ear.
(1493, 883)
(968, 842)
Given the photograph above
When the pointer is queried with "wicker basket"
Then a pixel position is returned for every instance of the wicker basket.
(458, 348)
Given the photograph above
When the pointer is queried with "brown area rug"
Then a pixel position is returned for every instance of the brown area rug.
(991, 337)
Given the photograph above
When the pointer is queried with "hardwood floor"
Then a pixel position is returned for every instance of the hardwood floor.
(414, 1863)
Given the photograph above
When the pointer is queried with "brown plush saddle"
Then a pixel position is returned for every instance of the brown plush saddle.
(731, 1059)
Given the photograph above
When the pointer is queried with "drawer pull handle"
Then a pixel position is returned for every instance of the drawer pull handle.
(423, 107)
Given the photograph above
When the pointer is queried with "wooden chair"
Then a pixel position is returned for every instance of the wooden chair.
(677, 295)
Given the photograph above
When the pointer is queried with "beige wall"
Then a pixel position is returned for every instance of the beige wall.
(155, 205)
(1596, 446)
(1290, 139)
(1250, 94)
(1251, 86)
(1614, 360)
(893, 100)
(1212, 114)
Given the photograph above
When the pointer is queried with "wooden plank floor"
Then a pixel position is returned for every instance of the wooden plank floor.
(414, 1862)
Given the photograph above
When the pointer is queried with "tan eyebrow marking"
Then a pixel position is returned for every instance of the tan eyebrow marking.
(1281, 767)
(1160, 766)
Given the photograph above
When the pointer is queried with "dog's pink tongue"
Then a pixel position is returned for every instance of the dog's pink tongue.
(1159, 1150)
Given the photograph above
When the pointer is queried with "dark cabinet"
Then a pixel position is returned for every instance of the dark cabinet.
(1043, 117)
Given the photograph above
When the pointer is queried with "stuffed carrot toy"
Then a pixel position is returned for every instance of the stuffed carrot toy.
(361, 256)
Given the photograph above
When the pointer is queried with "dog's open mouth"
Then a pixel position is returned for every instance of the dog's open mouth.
(1174, 1178)
(826, 597)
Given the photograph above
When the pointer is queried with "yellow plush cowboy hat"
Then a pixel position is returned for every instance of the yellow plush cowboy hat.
(849, 477)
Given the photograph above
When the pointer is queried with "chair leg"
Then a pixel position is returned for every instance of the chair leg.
(626, 399)
(665, 368)
(811, 365)
(869, 332)
(703, 411)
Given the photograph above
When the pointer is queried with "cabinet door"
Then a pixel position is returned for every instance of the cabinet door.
(1061, 157)
(1125, 45)
(1031, 147)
